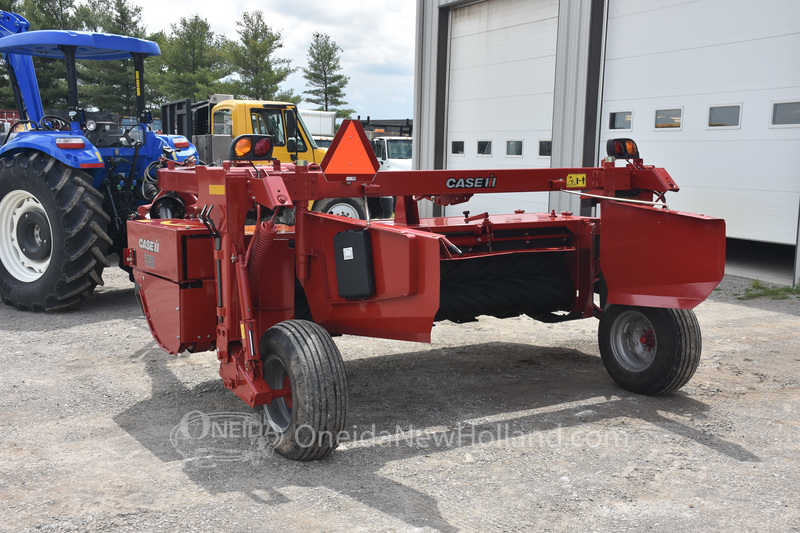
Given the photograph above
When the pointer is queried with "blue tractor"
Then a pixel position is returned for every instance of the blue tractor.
(68, 183)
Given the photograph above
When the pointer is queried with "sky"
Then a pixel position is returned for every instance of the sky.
(376, 37)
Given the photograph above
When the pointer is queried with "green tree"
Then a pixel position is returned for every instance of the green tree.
(110, 85)
(192, 61)
(93, 15)
(9, 5)
(6, 96)
(323, 78)
(156, 73)
(252, 56)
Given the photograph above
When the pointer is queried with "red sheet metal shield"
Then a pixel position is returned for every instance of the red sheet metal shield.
(657, 258)
(350, 157)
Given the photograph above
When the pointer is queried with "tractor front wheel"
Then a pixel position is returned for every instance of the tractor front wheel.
(52, 236)
(649, 350)
(301, 361)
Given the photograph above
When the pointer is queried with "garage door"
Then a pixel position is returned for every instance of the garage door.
(711, 91)
(500, 93)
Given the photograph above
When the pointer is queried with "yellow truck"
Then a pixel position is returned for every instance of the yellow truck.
(213, 123)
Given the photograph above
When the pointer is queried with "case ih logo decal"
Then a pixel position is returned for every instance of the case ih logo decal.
(487, 182)
(150, 246)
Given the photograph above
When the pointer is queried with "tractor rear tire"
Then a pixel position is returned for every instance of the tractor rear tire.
(345, 207)
(52, 233)
(307, 424)
(649, 350)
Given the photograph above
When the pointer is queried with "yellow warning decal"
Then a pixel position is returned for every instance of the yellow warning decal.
(99, 157)
(216, 189)
(576, 180)
(242, 326)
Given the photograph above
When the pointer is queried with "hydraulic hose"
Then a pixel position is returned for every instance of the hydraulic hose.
(262, 242)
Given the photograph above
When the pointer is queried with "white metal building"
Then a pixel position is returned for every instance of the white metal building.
(709, 89)
(489, 104)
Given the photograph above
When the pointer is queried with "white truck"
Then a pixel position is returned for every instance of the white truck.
(321, 125)
(393, 153)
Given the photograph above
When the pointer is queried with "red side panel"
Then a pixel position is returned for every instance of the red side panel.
(174, 269)
(179, 318)
(180, 250)
(658, 258)
(406, 269)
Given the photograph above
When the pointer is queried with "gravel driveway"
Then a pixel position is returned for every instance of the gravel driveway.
(497, 425)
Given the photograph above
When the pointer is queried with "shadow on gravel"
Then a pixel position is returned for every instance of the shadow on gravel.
(102, 306)
(443, 394)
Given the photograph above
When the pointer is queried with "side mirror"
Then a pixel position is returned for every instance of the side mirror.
(291, 126)
(291, 145)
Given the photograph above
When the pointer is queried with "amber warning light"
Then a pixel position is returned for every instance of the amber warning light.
(251, 147)
(350, 156)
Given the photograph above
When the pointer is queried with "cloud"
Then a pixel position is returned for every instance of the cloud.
(376, 36)
(383, 69)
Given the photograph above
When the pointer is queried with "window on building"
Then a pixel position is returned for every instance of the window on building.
(786, 113)
(726, 116)
(545, 148)
(484, 147)
(457, 147)
(514, 148)
(620, 120)
(668, 118)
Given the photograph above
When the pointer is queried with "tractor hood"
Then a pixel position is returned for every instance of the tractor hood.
(101, 46)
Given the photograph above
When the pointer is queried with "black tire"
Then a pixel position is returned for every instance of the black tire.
(307, 425)
(348, 207)
(649, 350)
(63, 223)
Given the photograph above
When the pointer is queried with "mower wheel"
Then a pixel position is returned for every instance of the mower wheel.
(301, 356)
(52, 233)
(649, 350)
(344, 207)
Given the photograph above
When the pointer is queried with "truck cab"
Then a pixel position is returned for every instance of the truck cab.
(213, 123)
(393, 153)
(217, 122)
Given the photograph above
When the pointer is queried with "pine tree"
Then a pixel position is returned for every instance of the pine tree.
(327, 86)
(259, 73)
(9, 5)
(192, 62)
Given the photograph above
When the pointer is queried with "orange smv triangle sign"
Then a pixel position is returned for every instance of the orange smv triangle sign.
(350, 157)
